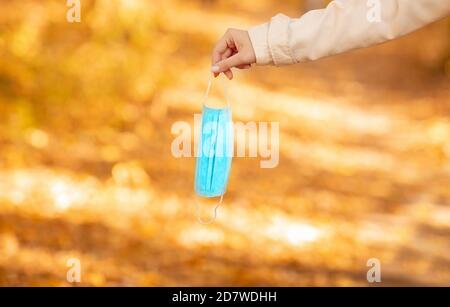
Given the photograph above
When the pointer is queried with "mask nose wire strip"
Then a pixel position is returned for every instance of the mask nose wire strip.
(199, 219)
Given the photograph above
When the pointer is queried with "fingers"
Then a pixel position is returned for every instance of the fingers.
(225, 55)
(228, 63)
(220, 48)
(229, 53)
(229, 74)
(246, 66)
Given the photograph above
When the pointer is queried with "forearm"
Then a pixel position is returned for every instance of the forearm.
(342, 26)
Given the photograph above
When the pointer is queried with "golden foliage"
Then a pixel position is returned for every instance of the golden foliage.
(86, 169)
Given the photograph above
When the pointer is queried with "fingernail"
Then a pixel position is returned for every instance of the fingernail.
(215, 68)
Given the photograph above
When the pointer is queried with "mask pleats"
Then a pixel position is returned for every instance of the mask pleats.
(213, 164)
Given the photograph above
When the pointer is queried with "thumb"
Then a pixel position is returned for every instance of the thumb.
(226, 64)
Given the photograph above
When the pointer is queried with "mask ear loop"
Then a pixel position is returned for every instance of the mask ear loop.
(199, 219)
(208, 89)
(197, 209)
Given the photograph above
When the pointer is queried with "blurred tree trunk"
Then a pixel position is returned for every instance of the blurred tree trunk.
(446, 61)
(309, 5)
(208, 2)
(441, 63)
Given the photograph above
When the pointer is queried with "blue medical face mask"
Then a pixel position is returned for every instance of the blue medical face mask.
(215, 151)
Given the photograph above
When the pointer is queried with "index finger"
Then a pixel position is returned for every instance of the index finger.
(218, 49)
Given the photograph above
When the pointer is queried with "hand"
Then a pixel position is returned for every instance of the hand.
(234, 49)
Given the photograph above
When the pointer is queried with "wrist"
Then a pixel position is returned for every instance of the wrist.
(258, 37)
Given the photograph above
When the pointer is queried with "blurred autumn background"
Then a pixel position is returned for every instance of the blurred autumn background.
(86, 170)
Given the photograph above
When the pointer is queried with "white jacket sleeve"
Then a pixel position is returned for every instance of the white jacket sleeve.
(343, 25)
